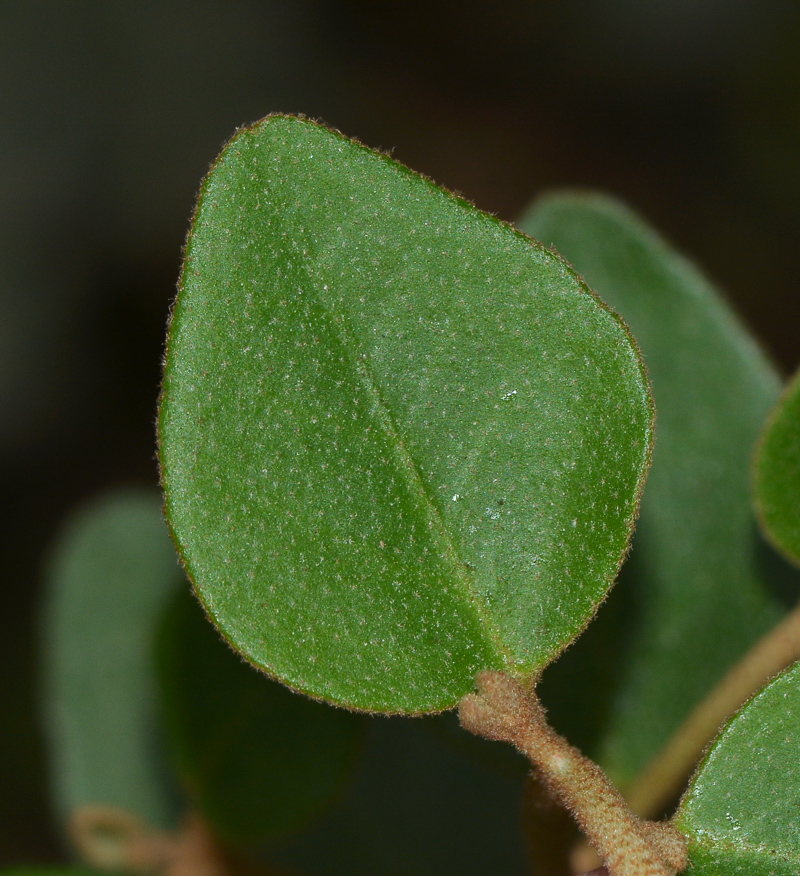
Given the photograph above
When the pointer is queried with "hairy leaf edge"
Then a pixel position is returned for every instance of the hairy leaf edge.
(528, 673)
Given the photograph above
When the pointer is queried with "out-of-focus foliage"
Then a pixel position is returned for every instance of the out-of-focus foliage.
(255, 760)
(111, 577)
(777, 480)
(696, 592)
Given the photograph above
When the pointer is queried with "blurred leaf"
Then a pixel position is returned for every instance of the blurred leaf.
(695, 596)
(111, 574)
(416, 805)
(400, 442)
(778, 475)
(741, 810)
(257, 760)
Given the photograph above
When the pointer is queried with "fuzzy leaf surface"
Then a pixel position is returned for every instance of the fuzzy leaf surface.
(740, 813)
(778, 475)
(400, 441)
(256, 759)
(694, 593)
(111, 575)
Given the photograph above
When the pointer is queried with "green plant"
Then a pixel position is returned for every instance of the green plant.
(403, 447)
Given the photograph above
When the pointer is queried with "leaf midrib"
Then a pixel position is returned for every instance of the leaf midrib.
(416, 485)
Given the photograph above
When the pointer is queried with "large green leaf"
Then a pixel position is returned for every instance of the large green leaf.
(742, 810)
(256, 759)
(112, 572)
(778, 475)
(400, 441)
(695, 596)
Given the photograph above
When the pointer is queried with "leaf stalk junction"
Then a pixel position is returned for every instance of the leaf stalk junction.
(504, 710)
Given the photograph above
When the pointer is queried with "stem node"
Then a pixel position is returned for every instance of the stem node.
(504, 710)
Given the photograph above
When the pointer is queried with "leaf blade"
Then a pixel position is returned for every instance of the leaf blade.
(741, 807)
(434, 350)
(112, 571)
(777, 484)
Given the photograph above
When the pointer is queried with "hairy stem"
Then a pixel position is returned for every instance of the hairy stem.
(503, 710)
(663, 778)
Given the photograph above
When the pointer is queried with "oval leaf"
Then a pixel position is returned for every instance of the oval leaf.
(111, 576)
(400, 442)
(694, 594)
(256, 759)
(741, 810)
(778, 475)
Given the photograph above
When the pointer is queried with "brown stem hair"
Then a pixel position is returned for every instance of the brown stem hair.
(504, 710)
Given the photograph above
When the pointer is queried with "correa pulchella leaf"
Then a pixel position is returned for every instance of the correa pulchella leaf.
(400, 441)
(740, 813)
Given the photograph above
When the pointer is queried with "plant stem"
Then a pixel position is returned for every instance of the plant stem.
(112, 839)
(504, 710)
(662, 779)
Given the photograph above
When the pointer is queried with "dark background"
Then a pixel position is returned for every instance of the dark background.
(110, 114)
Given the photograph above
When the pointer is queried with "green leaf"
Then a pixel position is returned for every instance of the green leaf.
(695, 596)
(400, 442)
(778, 475)
(256, 759)
(740, 813)
(112, 572)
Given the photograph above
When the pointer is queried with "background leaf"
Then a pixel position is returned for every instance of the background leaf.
(256, 759)
(695, 594)
(741, 810)
(417, 804)
(112, 571)
(778, 474)
(400, 442)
